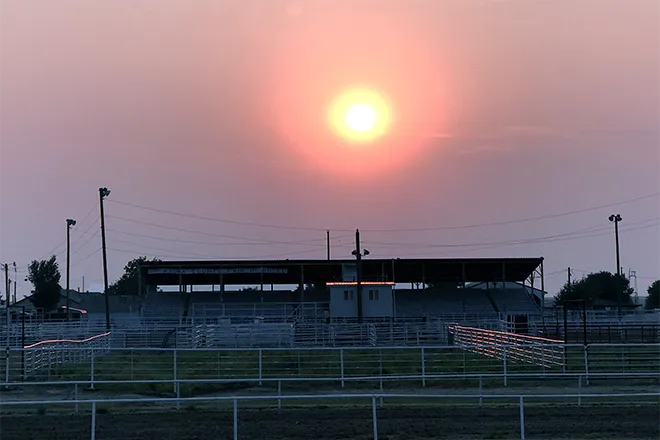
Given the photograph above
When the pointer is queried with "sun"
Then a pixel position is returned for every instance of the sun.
(360, 115)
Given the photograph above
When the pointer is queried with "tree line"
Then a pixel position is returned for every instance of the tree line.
(45, 277)
(606, 289)
(596, 289)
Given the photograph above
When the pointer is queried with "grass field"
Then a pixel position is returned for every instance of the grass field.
(300, 363)
(313, 368)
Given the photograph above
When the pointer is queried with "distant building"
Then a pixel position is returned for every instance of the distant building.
(74, 299)
(377, 299)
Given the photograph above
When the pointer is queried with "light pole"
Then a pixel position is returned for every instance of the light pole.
(69, 224)
(103, 193)
(358, 273)
(616, 218)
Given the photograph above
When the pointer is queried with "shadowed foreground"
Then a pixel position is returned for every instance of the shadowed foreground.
(355, 423)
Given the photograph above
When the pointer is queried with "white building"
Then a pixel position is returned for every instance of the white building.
(377, 299)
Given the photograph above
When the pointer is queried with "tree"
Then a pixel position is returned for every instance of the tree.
(45, 277)
(129, 282)
(597, 287)
(653, 300)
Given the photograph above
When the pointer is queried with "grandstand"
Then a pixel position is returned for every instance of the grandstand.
(299, 303)
(315, 302)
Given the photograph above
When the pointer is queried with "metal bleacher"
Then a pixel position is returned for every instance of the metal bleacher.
(513, 301)
(430, 302)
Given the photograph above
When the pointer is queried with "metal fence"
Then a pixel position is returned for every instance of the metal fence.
(362, 416)
(185, 370)
(225, 333)
(50, 355)
(547, 353)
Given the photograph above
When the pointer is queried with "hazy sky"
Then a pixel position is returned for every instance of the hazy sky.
(505, 110)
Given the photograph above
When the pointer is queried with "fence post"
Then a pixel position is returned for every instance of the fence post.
(7, 363)
(341, 365)
(586, 364)
(91, 372)
(260, 367)
(522, 419)
(279, 393)
(579, 390)
(174, 372)
(423, 368)
(481, 391)
(504, 363)
(93, 427)
(374, 416)
(235, 419)
(75, 396)
(380, 368)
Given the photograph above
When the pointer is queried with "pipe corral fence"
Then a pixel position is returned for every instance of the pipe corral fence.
(376, 402)
(476, 354)
(489, 366)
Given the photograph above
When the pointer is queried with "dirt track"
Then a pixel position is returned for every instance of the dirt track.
(422, 423)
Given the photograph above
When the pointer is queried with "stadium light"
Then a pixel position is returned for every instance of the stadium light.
(616, 218)
(69, 224)
(103, 193)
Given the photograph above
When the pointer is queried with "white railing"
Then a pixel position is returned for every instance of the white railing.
(54, 354)
(439, 364)
(255, 332)
(377, 403)
(547, 353)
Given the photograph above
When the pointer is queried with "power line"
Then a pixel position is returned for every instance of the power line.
(82, 246)
(476, 246)
(216, 243)
(91, 210)
(63, 242)
(260, 257)
(219, 220)
(82, 234)
(52, 252)
(573, 234)
(438, 228)
(191, 231)
(181, 253)
(86, 257)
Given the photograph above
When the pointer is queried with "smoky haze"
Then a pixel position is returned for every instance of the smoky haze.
(507, 110)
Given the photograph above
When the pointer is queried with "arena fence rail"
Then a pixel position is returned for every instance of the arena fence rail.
(376, 402)
(441, 365)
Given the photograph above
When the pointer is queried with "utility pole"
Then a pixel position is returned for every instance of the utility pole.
(103, 193)
(15, 279)
(569, 276)
(69, 224)
(358, 273)
(616, 218)
(327, 242)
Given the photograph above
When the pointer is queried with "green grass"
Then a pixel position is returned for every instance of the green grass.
(239, 366)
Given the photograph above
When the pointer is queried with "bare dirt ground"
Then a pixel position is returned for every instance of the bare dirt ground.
(352, 423)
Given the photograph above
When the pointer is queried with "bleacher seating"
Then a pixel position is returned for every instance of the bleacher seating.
(514, 301)
(431, 302)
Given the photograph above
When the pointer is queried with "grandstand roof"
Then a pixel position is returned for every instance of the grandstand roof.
(251, 272)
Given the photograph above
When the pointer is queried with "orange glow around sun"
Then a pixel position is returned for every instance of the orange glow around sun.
(359, 115)
(358, 103)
